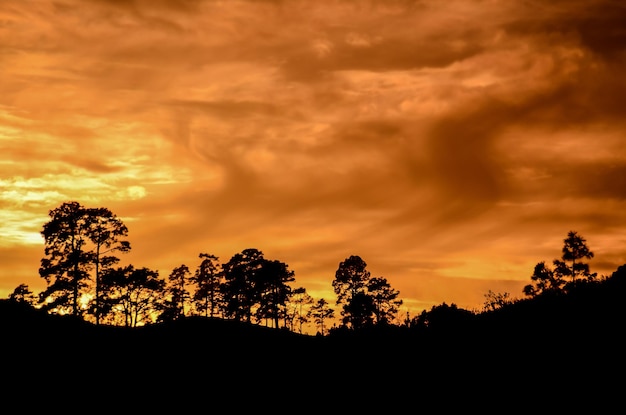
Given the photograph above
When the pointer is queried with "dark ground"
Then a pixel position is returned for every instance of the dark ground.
(564, 351)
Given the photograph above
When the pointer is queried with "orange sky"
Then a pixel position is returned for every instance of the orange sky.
(452, 145)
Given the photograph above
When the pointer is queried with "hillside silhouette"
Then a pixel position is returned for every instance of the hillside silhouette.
(556, 338)
(228, 335)
(588, 314)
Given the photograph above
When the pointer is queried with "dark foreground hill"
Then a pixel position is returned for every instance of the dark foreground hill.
(550, 341)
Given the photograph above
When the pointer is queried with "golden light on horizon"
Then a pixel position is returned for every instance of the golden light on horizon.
(450, 145)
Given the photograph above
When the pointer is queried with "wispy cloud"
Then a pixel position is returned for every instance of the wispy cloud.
(451, 144)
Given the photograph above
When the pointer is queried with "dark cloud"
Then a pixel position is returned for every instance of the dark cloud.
(596, 180)
(461, 153)
(597, 25)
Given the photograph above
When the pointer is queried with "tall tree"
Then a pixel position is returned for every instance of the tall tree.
(239, 288)
(207, 279)
(545, 279)
(180, 296)
(106, 233)
(273, 290)
(350, 285)
(67, 263)
(386, 301)
(77, 239)
(574, 250)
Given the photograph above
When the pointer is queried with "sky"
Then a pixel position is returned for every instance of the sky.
(451, 145)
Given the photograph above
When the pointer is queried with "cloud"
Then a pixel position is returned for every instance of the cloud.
(595, 24)
(450, 144)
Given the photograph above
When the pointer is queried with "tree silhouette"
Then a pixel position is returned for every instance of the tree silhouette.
(136, 293)
(574, 249)
(359, 311)
(272, 290)
(67, 265)
(320, 311)
(106, 231)
(544, 280)
(386, 301)
(77, 239)
(299, 300)
(177, 289)
(23, 294)
(350, 285)
(238, 288)
(495, 301)
(207, 278)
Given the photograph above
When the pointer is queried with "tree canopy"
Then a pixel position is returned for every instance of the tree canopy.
(77, 241)
(570, 266)
(79, 269)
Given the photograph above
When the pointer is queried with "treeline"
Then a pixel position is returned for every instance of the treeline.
(83, 279)
(80, 267)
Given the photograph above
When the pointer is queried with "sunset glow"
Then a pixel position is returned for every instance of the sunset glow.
(451, 145)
